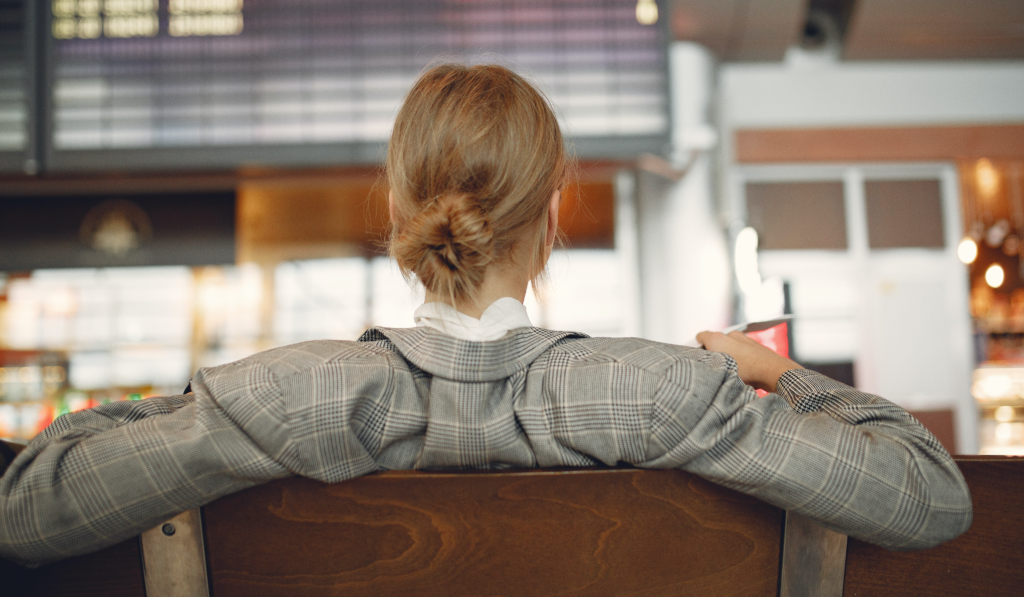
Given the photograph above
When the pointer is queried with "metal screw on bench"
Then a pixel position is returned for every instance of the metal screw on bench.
(174, 558)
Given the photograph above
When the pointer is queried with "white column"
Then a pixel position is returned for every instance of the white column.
(960, 337)
(628, 249)
(699, 272)
(686, 275)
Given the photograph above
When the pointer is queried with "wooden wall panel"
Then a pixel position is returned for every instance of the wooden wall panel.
(986, 560)
(587, 215)
(879, 144)
(616, 532)
(304, 220)
(297, 219)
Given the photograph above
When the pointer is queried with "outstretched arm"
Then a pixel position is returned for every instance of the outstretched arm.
(97, 477)
(854, 462)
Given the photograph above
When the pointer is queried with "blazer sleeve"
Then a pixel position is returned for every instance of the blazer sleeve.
(852, 461)
(97, 477)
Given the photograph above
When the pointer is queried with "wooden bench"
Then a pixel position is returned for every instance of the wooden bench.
(566, 532)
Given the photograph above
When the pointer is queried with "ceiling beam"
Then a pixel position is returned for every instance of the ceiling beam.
(935, 30)
(740, 30)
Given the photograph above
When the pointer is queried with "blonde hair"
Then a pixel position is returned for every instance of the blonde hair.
(474, 158)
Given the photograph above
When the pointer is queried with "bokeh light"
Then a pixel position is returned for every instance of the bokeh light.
(967, 251)
(995, 275)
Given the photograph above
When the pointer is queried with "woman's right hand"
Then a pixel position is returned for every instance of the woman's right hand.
(758, 365)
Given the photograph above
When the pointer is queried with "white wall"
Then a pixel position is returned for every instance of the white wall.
(811, 93)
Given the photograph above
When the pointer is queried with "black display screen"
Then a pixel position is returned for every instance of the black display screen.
(117, 230)
(16, 81)
(319, 81)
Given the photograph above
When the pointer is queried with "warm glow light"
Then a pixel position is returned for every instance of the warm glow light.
(61, 303)
(1004, 433)
(646, 12)
(1004, 414)
(994, 275)
(995, 387)
(29, 374)
(967, 251)
(986, 177)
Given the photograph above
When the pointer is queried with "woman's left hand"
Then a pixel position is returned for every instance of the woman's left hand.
(758, 365)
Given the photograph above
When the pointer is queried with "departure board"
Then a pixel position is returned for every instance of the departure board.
(15, 81)
(131, 76)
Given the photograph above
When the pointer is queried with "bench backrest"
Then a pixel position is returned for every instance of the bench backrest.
(579, 532)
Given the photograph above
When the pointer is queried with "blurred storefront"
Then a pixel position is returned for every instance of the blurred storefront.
(310, 265)
(180, 196)
(993, 204)
(182, 186)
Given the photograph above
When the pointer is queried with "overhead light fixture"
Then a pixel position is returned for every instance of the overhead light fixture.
(967, 250)
(995, 275)
(646, 12)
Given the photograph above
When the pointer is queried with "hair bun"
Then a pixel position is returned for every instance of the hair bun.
(448, 245)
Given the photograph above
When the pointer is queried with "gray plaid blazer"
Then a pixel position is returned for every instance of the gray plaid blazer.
(418, 399)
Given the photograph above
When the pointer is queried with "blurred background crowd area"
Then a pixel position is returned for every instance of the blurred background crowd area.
(184, 183)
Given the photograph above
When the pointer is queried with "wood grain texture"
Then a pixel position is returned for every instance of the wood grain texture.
(813, 559)
(986, 560)
(112, 572)
(763, 146)
(615, 532)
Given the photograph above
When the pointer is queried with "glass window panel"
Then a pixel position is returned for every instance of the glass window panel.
(797, 215)
(318, 299)
(904, 213)
(394, 299)
(584, 293)
(87, 308)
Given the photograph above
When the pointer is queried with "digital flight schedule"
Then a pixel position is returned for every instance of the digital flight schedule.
(142, 74)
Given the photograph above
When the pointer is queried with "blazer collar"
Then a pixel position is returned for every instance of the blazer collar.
(463, 360)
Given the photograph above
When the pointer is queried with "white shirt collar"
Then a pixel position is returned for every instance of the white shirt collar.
(498, 319)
